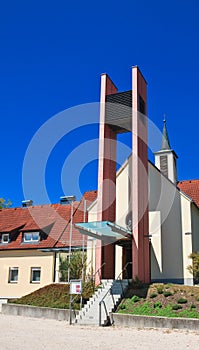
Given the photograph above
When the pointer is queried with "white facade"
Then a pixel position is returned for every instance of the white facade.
(173, 225)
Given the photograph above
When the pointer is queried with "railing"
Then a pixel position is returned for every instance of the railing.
(102, 301)
(91, 279)
(98, 272)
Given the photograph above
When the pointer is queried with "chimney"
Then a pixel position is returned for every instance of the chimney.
(27, 203)
(64, 200)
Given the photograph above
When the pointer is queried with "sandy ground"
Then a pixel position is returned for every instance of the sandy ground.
(22, 333)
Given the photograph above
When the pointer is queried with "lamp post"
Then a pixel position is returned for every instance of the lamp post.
(83, 242)
(69, 200)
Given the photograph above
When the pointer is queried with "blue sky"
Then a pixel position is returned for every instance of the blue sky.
(52, 55)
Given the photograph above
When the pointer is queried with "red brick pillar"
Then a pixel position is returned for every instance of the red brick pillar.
(140, 248)
(105, 253)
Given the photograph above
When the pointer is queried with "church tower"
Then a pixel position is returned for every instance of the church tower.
(165, 159)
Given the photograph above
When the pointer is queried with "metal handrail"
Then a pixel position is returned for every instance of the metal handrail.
(110, 291)
(85, 285)
(98, 270)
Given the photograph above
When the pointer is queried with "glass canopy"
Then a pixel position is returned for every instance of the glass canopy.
(103, 230)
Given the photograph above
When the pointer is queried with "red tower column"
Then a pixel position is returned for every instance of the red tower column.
(105, 253)
(140, 248)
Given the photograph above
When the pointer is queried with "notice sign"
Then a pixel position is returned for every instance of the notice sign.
(75, 286)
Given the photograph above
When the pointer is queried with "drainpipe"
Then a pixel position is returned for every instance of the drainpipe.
(56, 267)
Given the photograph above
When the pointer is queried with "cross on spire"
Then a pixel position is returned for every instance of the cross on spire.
(165, 138)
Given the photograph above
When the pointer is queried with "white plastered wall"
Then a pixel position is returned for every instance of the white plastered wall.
(195, 227)
(186, 237)
(91, 242)
(170, 219)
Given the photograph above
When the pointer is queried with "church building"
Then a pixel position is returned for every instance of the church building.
(143, 220)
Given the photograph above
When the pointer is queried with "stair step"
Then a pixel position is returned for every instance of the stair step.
(89, 315)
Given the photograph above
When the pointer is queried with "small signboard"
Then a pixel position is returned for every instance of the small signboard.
(75, 286)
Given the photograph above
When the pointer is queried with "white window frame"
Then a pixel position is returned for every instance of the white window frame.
(31, 240)
(32, 274)
(3, 237)
(10, 279)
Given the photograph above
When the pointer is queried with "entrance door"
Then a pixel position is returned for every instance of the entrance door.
(127, 258)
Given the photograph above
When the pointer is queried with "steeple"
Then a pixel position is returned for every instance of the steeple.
(165, 138)
(165, 158)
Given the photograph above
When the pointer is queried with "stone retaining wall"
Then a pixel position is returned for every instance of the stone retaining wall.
(155, 322)
(38, 312)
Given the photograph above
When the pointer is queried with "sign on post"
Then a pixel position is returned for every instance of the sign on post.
(75, 286)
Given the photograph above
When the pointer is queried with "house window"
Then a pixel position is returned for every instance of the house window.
(5, 238)
(13, 274)
(30, 237)
(35, 274)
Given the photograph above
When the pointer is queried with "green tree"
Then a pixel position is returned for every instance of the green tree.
(194, 268)
(4, 203)
(76, 266)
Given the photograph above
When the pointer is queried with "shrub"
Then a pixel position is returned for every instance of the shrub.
(75, 266)
(167, 286)
(160, 290)
(122, 307)
(167, 294)
(192, 306)
(135, 299)
(194, 268)
(157, 305)
(176, 307)
(182, 301)
(137, 283)
(153, 295)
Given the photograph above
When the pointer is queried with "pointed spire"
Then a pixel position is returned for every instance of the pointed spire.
(165, 138)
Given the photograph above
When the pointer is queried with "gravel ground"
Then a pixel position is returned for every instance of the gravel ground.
(22, 333)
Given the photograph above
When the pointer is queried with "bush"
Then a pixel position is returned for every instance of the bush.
(153, 295)
(192, 306)
(135, 299)
(167, 294)
(157, 305)
(137, 283)
(160, 290)
(75, 266)
(167, 286)
(194, 268)
(176, 307)
(122, 307)
(182, 301)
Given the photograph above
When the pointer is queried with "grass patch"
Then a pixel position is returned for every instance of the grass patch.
(53, 296)
(168, 300)
(135, 299)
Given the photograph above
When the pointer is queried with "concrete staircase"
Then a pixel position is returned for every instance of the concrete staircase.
(109, 294)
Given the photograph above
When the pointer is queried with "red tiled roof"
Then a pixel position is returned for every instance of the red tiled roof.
(52, 219)
(191, 188)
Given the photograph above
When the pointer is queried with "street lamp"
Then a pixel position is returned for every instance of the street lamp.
(69, 200)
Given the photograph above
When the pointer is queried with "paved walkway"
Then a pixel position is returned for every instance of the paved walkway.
(21, 333)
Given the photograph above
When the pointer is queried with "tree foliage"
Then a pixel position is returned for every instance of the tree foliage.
(75, 266)
(194, 268)
(4, 203)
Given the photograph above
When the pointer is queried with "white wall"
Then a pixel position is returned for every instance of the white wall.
(171, 218)
(186, 237)
(123, 193)
(195, 227)
(164, 197)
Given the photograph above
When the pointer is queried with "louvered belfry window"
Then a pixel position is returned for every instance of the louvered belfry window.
(164, 165)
